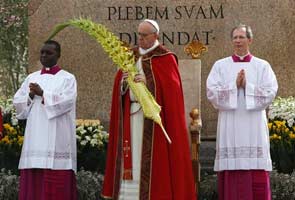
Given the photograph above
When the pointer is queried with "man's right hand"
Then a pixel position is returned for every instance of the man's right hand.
(32, 95)
(124, 76)
(36, 89)
(241, 79)
(137, 78)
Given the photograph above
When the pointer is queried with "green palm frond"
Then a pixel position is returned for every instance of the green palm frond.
(124, 59)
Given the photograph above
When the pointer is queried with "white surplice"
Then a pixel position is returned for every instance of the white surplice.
(50, 135)
(242, 131)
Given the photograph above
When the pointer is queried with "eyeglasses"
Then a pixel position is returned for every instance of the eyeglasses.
(145, 34)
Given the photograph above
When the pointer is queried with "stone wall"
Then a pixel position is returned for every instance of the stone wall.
(272, 21)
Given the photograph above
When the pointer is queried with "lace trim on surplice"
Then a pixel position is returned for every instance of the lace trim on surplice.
(49, 154)
(239, 152)
(259, 98)
(223, 96)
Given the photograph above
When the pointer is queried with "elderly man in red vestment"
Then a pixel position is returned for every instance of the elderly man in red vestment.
(141, 164)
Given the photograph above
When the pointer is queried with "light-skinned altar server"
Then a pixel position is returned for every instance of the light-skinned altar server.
(241, 87)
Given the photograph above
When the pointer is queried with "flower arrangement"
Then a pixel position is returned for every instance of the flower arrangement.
(91, 133)
(92, 143)
(282, 133)
(283, 109)
(10, 146)
(12, 130)
(12, 135)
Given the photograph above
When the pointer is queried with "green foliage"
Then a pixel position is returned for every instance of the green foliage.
(89, 185)
(282, 186)
(9, 183)
(208, 188)
(13, 45)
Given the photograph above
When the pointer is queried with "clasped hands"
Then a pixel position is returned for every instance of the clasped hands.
(138, 78)
(241, 79)
(35, 89)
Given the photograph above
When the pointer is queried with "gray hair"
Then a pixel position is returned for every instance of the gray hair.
(249, 32)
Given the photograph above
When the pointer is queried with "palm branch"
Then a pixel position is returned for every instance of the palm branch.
(124, 59)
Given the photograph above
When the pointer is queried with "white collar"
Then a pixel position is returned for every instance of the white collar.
(48, 68)
(145, 51)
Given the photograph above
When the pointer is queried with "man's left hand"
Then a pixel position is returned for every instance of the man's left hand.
(243, 83)
(36, 89)
(242, 75)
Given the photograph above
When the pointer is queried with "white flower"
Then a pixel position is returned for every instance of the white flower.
(89, 128)
(88, 138)
(78, 137)
(90, 132)
(14, 121)
(290, 122)
(283, 108)
(95, 130)
(104, 132)
(80, 128)
(83, 132)
(93, 142)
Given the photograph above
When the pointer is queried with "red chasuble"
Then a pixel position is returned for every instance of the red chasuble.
(166, 169)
